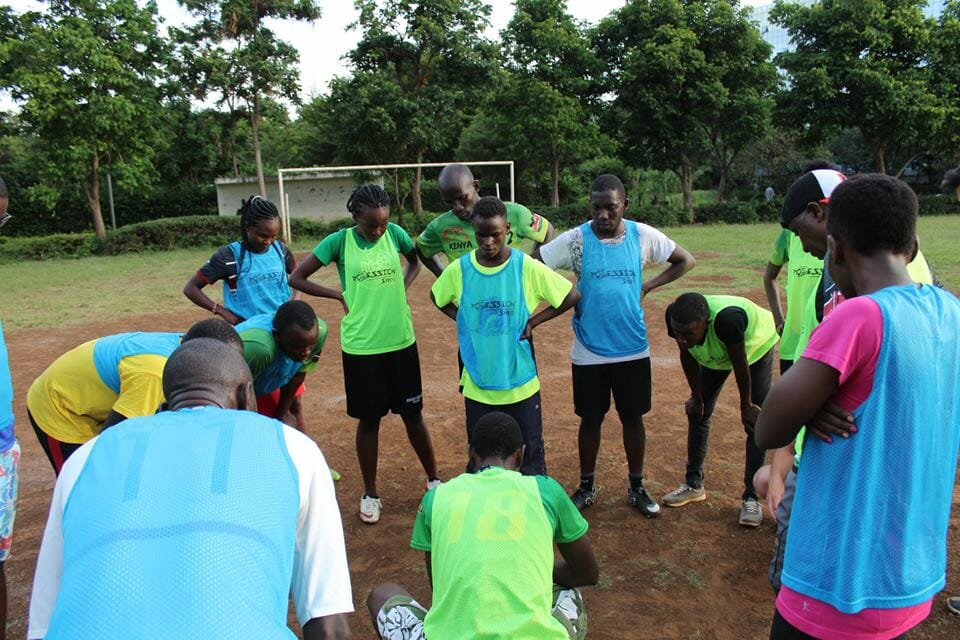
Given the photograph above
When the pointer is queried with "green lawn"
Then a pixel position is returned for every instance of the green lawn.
(730, 258)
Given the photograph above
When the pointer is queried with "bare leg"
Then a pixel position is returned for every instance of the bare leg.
(634, 443)
(420, 441)
(588, 443)
(368, 442)
(379, 596)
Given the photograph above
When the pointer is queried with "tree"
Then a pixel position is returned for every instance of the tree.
(544, 104)
(87, 74)
(255, 66)
(693, 81)
(418, 68)
(860, 64)
(945, 69)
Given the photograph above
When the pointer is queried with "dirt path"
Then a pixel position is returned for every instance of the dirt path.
(693, 573)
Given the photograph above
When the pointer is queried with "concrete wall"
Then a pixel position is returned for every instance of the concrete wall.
(320, 196)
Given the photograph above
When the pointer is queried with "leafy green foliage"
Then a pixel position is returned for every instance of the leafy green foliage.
(89, 78)
(863, 64)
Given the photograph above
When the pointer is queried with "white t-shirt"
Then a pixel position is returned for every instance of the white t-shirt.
(566, 252)
(321, 579)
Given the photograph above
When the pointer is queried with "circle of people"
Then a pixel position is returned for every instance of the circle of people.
(205, 516)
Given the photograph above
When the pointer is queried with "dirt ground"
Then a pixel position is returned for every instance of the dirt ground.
(692, 573)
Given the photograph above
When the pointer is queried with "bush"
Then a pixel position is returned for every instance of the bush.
(729, 212)
(565, 216)
(769, 211)
(661, 215)
(938, 205)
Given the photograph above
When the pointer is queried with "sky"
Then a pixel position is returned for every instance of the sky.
(323, 43)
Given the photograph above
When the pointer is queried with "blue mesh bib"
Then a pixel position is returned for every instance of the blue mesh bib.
(181, 525)
(870, 516)
(491, 316)
(283, 367)
(261, 285)
(109, 351)
(609, 318)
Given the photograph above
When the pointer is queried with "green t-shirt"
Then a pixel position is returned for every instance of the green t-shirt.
(379, 318)
(331, 248)
(491, 537)
(758, 337)
(540, 284)
(260, 349)
(803, 277)
(453, 237)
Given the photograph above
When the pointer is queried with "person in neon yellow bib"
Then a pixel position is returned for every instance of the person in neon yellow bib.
(716, 334)
(381, 365)
(488, 540)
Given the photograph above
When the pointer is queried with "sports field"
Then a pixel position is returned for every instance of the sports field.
(692, 573)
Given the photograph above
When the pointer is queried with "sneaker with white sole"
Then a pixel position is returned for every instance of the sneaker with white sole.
(684, 494)
(584, 497)
(370, 509)
(640, 499)
(954, 605)
(433, 484)
(751, 514)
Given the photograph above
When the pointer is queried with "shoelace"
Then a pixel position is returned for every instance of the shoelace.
(751, 506)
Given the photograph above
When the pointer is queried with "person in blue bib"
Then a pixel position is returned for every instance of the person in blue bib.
(280, 349)
(610, 351)
(866, 549)
(103, 382)
(254, 269)
(198, 522)
(493, 293)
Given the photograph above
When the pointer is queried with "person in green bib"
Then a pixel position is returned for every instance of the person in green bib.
(488, 540)
(451, 233)
(717, 334)
(492, 294)
(381, 365)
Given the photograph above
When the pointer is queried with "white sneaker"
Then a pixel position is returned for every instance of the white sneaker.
(433, 484)
(370, 509)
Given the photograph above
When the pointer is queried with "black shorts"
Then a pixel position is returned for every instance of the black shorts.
(382, 382)
(629, 381)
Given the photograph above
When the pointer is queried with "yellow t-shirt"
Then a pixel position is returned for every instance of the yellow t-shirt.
(69, 401)
(540, 284)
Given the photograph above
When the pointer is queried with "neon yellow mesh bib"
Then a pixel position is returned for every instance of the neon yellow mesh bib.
(761, 334)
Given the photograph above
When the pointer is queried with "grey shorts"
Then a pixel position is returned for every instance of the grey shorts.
(783, 522)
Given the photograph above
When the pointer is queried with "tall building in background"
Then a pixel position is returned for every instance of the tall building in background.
(779, 39)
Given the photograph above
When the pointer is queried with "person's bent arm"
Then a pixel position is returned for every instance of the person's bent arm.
(412, 270)
(194, 293)
(449, 309)
(114, 417)
(680, 262)
(572, 298)
(577, 565)
(799, 394)
(299, 280)
(432, 263)
(328, 627)
(772, 289)
(287, 394)
(741, 371)
(780, 465)
(427, 562)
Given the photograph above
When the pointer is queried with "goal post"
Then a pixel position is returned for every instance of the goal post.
(285, 200)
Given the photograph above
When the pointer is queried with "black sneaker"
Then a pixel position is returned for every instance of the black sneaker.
(583, 498)
(646, 505)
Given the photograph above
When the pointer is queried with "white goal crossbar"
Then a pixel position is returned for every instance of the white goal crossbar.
(284, 204)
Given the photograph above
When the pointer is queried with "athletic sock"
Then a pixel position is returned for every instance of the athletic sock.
(370, 495)
(636, 480)
(586, 481)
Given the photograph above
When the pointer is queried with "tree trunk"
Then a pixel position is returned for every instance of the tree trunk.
(722, 185)
(92, 192)
(415, 195)
(233, 148)
(555, 179)
(686, 183)
(255, 131)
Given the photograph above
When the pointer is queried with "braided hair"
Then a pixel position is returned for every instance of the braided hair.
(367, 195)
(252, 212)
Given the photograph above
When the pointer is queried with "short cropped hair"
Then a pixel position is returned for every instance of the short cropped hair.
(489, 207)
(496, 434)
(204, 363)
(294, 313)
(217, 329)
(609, 182)
(873, 212)
(689, 308)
